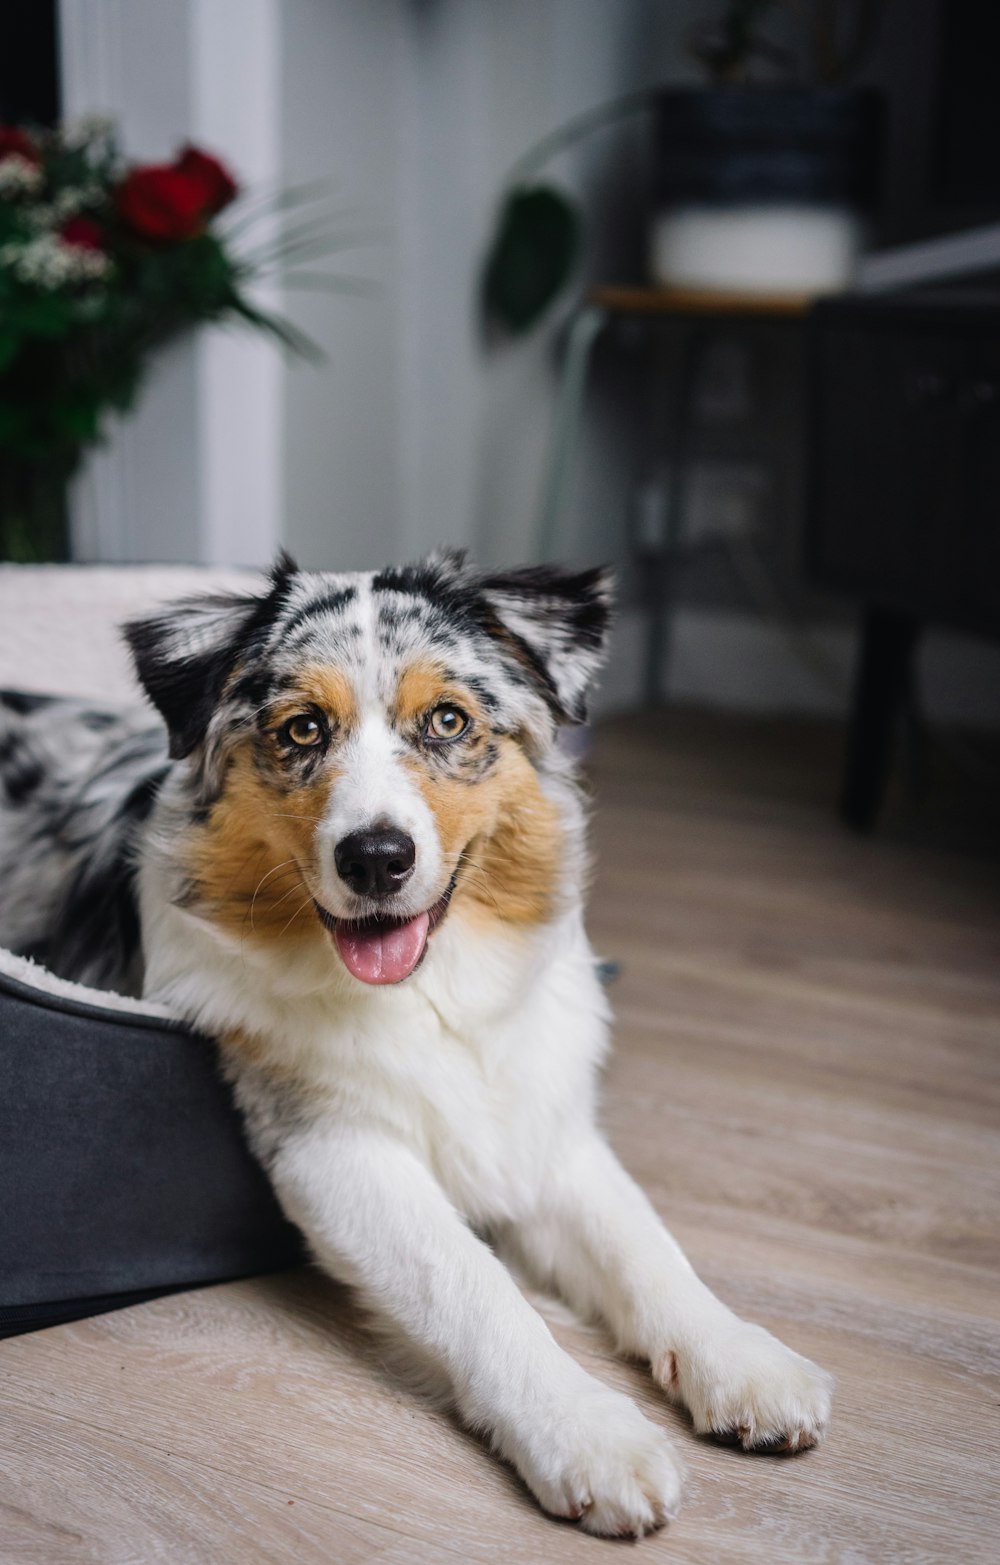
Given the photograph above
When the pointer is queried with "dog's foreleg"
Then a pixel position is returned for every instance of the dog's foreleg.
(595, 1236)
(376, 1218)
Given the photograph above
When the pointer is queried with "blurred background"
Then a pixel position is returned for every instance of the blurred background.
(426, 422)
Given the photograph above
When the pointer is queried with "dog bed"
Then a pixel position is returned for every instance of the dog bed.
(123, 1169)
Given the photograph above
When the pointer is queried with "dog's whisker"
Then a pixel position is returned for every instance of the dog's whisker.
(237, 896)
(299, 910)
(256, 852)
(287, 894)
(475, 878)
(261, 883)
(240, 900)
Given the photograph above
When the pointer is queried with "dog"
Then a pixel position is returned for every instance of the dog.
(354, 854)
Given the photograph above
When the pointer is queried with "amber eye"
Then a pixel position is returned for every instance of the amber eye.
(303, 730)
(446, 722)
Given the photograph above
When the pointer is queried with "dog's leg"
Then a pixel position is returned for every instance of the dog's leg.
(376, 1218)
(595, 1236)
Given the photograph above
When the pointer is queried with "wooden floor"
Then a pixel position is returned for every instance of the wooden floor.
(807, 1081)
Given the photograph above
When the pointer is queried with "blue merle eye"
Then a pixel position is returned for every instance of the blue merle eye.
(303, 730)
(446, 722)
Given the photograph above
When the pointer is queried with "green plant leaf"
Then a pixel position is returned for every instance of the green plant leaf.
(532, 257)
(44, 315)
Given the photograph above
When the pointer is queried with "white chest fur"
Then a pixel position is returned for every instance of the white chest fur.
(479, 1064)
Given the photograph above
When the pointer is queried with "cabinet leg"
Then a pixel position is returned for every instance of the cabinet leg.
(882, 683)
(662, 580)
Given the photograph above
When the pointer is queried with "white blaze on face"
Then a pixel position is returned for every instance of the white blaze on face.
(375, 788)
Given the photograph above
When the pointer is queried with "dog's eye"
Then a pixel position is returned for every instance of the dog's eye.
(303, 730)
(446, 722)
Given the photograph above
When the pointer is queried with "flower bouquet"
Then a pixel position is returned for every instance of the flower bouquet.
(101, 263)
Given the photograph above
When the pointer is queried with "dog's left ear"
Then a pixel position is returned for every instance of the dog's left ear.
(557, 621)
(185, 653)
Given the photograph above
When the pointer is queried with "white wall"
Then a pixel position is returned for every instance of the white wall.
(193, 473)
(234, 55)
(140, 497)
(342, 67)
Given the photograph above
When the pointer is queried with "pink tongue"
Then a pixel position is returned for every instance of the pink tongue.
(383, 956)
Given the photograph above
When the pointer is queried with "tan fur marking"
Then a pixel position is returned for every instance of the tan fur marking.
(516, 868)
(510, 835)
(507, 829)
(421, 687)
(325, 687)
(503, 824)
(245, 861)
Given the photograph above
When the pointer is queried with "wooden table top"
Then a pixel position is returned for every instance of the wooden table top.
(700, 301)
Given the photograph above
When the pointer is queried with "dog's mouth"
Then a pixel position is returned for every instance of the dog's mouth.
(383, 949)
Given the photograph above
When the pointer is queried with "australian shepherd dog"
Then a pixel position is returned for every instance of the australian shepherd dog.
(353, 853)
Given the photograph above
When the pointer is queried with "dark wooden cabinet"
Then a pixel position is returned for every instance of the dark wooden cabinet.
(904, 490)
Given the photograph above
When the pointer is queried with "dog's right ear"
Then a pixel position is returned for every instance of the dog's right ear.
(184, 653)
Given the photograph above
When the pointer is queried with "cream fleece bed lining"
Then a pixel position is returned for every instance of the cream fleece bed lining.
(32, 975)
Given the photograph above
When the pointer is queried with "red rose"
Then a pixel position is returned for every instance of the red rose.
(216, 182)
(14, 143)
(175, 200)
(82, 232)
(158, 201)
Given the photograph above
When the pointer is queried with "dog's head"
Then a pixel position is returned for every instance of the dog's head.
(366, 749)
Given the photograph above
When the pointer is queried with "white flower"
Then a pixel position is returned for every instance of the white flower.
(89, 130)
(18, 176)
(41, 216)
(48, 262)
(67, 203)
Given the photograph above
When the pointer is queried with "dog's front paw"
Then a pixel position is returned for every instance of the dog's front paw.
(600, 1462)
(742, 1385)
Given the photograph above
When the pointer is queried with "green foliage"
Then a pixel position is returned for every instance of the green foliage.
(531, 258)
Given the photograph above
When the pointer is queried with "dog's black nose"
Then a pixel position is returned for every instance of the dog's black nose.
(375, 863)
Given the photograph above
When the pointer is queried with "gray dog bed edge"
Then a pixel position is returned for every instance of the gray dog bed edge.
(124, 1172)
